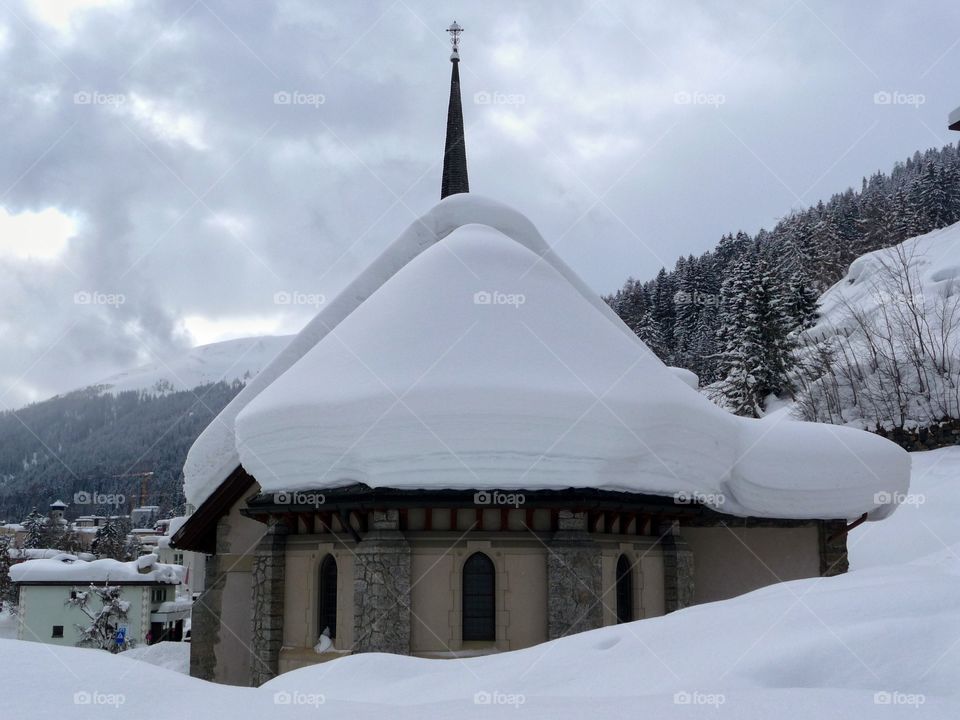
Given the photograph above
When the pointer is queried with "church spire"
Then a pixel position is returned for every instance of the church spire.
(454, 152)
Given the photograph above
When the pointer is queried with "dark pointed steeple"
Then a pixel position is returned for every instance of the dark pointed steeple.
(454, 151)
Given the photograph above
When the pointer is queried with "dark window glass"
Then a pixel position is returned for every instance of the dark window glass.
(624, 590)
(57, 631)
(479, 600)
(328, 596)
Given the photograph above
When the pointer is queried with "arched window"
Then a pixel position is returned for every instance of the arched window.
(327, 596)
(624, 590)
(479, 600)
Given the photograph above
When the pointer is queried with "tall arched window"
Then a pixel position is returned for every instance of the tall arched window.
(327, 596)
(624, 590)
(479, 599)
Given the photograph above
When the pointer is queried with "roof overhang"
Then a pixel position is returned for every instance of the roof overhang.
(954, 119)
(199, 532)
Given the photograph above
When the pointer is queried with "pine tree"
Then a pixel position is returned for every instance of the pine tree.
(6, 584)
(110, 540)
(35, 525)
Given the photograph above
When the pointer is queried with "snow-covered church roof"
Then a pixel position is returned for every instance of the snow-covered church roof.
(468, 356)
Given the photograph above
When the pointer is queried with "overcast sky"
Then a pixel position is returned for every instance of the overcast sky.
(156, 191)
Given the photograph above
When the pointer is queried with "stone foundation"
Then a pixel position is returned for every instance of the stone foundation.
(381, 588)
(269, 560)
(574, 593)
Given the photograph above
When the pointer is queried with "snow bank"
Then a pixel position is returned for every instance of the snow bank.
(873, 644)
(214, 455)
(173, 656)
(476, 366)
(926, 521)
(70, 569)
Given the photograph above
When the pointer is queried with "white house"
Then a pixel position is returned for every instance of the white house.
(45, 585)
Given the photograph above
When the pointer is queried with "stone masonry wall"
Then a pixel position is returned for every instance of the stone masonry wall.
(833, 547)
(269, 562)
(677, 569)
(574, 601)
(381, 588)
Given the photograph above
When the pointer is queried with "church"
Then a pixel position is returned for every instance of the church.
(467, 452)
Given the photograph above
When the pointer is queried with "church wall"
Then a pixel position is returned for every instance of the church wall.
(730, 561)
(237, 539)
(647, 561)
(301, 629)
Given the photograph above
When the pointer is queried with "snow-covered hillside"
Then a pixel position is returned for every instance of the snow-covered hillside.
(230, 360)
(886, 349)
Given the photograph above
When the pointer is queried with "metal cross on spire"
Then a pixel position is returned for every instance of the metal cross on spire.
(455, 31)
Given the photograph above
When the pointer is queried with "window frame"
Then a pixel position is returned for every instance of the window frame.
(623, 589)
(478, 602)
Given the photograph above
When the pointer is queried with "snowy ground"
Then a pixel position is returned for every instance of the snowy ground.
(880, 642)
(168, 655)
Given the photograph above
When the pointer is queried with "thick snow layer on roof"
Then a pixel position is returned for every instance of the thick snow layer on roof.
(214, 455)
(478, 366)
(70, 569)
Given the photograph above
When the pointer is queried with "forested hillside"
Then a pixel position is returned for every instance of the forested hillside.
(732, 314)
(91, 442)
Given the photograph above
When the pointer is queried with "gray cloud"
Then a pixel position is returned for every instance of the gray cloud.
(630, 133)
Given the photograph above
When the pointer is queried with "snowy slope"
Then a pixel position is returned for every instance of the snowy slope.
(230, 360)
(934, 259)
(925, 522)
(892, 325)
(880, 643)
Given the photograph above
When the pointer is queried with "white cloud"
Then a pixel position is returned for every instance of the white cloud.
(29, 235)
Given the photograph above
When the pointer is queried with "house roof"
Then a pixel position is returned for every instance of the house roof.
(66, 569)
